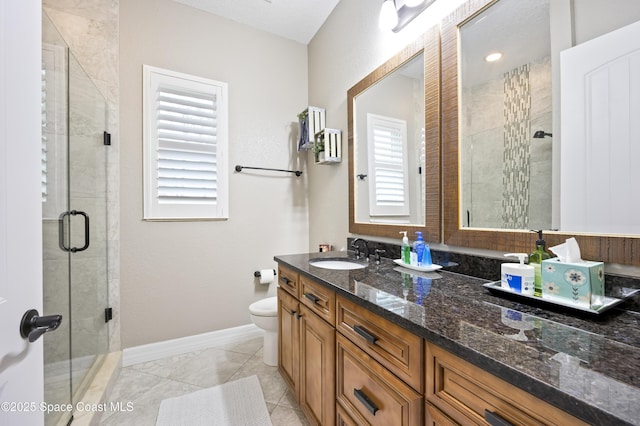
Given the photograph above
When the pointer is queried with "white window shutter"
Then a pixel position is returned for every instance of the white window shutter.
(185, 143)
(387, 153)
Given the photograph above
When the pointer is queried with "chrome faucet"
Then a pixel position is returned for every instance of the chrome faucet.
(354, 244)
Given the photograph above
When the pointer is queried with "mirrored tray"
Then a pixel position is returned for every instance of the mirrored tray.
(609, 302)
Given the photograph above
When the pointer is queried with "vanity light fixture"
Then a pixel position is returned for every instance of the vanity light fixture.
(388, 15)
(492, 57)
(396, 18)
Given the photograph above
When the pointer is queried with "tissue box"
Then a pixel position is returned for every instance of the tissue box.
(574, 283)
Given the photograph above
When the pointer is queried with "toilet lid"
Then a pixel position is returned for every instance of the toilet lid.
(265, 308)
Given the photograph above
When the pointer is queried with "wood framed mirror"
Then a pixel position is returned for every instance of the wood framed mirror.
(424, 162)
(611, 248)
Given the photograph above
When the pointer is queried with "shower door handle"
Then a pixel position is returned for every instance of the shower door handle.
(61, 231)
(86, 231)
(33, 325)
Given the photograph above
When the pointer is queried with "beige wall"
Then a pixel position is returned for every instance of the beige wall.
(185, 278)
(352, 43)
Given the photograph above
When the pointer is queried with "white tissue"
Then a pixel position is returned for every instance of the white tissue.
(568, 252)
(266, 276)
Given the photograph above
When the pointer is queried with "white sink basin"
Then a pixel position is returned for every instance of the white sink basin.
(341, 264)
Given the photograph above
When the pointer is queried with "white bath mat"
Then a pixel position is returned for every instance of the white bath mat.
(237, 403)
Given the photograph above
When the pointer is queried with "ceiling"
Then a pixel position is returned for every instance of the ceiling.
(297, 20)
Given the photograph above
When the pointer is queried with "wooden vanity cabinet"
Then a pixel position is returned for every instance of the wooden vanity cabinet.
(348, 366)
(306, 346)
(461, 393)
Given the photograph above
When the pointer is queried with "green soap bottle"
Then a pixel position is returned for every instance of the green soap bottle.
(406, 249)
(535, 259)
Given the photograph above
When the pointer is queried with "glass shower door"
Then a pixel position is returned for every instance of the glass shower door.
(55, 201)
(87, 227)
(75, 281)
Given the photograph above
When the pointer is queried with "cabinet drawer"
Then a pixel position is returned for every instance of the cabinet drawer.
(319, 299)
(288, 280)
(395, 348)
(369, 393)
(465, 393)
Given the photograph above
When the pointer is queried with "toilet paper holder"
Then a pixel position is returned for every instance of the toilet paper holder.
(257, 274)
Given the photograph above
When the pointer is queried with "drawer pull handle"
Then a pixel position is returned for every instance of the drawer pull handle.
(364, 333)
(312, 297)
(287, 281)
(364, 399)
(292, 312)
(495, 419)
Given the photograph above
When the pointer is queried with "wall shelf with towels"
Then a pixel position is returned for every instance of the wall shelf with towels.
(328, 146)
(326, 143)
(310, 121)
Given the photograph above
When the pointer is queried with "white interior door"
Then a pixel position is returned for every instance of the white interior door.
(21, 366)
(600, 129)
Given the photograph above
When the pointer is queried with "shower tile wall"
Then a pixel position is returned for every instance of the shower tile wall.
(483, 128)
(517, 136)
(91, 29)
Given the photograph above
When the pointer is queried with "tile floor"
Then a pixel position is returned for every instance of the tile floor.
(146, 385)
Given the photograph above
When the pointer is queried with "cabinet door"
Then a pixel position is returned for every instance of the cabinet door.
(369, 393)
(288, 340)
(317, 368)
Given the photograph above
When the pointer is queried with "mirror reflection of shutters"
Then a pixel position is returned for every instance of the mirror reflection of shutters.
(387, 143)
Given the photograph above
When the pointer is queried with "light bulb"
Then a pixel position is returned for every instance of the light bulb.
(492, 57)
(413, 3)
(388, 15)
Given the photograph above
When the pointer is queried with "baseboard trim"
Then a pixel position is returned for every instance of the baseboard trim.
(167, 348)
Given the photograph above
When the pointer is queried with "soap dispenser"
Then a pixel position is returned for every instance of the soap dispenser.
(535, 259)
(406, 249)
(517, 277)
(418, 247)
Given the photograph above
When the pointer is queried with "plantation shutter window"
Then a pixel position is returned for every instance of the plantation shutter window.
(387, 155)
(185, 146)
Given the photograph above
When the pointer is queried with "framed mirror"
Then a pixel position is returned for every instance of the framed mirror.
(394, 145)
(503, 160)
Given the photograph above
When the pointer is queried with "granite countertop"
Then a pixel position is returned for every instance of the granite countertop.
(585, 364)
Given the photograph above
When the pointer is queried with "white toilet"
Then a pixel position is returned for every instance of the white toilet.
(264, 314)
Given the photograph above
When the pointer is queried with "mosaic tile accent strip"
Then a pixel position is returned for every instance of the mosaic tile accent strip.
(517, 133)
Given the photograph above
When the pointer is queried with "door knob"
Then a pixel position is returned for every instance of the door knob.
(33, 325)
